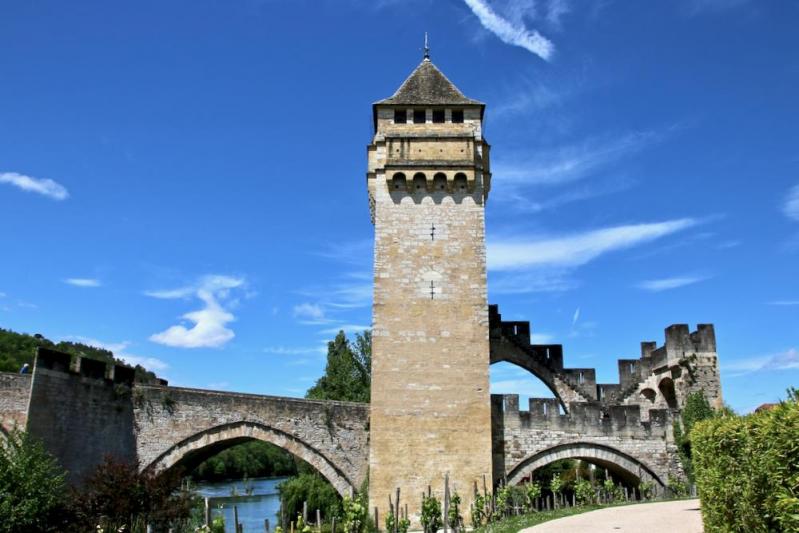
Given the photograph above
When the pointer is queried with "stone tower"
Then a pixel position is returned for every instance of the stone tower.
(428, 180)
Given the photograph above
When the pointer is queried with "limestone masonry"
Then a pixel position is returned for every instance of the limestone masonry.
(434, 337)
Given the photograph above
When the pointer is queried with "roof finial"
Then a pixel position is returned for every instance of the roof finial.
(426, 48)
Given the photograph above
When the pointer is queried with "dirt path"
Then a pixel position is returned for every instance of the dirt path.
(665, 517)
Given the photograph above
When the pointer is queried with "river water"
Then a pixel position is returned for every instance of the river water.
(261, 503)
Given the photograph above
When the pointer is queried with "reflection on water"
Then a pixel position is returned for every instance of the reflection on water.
(254, 506)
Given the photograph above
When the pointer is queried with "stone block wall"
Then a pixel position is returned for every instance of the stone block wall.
(81, 409)
(15, 391)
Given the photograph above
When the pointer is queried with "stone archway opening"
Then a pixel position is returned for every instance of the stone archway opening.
(510, 378)
(619, 465)
(191, 452)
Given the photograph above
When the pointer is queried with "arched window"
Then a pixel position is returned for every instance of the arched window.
(419, 182)
(440, 182)
(399, 182)
(460, 182)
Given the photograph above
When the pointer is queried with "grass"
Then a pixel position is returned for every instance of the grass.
(513, 524)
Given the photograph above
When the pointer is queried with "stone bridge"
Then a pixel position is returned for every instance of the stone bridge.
(625, 427)
(84, 409)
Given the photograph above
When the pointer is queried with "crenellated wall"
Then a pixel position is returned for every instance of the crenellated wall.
(81, 410)
(617, 438)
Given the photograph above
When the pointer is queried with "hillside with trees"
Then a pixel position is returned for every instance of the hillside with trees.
(16, 349)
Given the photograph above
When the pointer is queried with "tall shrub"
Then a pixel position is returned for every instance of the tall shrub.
(747, 470)
(31, 485)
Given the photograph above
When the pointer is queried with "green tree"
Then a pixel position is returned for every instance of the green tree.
(348, 372)
(249, 459)
(696, 408)
(312, 488)
(31, 485)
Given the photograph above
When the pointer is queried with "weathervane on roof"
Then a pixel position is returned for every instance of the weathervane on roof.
(426, 48)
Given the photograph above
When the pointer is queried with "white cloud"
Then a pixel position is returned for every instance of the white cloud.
(119, 350)
(44, 186)
(787, 360)
(83, 282)
(791, 207)
(310, 312)
(2, 295)
(569, 163)
(578, 249)
(219, 385)
(575, 316)
(664, 284)
(514, 34)
(537, 281)
(784, 302)
(209, 323)
(702, 6)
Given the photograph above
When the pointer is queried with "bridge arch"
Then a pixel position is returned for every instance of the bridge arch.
(625, 466)
(545, 375)
(192, 451)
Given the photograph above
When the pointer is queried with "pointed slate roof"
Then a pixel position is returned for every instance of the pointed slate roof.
(428, 86)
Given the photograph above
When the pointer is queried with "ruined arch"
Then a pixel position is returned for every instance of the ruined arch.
(191, 451)
(539, 371)
(622, 464)
(649, 394)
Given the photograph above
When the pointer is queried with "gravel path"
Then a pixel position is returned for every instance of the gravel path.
(665, 517)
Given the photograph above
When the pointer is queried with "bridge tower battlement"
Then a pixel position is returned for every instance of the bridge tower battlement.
(428, 179)
(662, 378)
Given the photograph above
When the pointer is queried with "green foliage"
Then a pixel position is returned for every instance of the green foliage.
(218, 525)
(117, 495)
(348, 372)
(479, 510)
(16, 349)
(677, 486)
(556, 484)
(247, 460)
(454, 517)
(696, 409)
(646, 489)
(312, 488)
(584, 492)
(431, 514)
(31, 485)
(747, 470)
(391, 522)
(533, 492)
(356, 514)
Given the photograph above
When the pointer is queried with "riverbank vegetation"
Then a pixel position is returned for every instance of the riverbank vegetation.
(747, 469)
(116, 496)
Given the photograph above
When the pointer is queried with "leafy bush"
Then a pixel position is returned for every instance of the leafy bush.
(356, 514)
(431, 514)
(696, 409)
(533, 492)
(311, 488)
(584, 492)
(747, 469)
(31, 485)
(454, 517)
(118, 496)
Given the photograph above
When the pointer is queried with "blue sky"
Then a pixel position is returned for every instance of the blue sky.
(184, 182)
